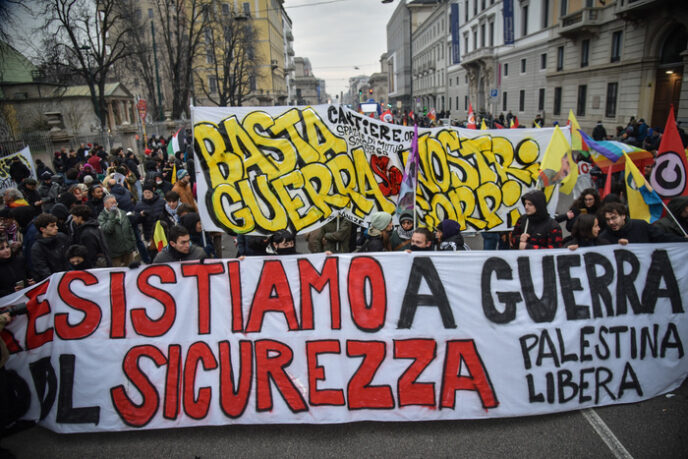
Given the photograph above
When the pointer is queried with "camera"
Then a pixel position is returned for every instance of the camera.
(15, 309)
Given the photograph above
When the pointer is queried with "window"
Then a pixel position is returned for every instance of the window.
(616, 46)
(521, 100)
(545, 14)
(564, 7)
(212, 85)
(225, 9)
(541, 100)
(465, 102)
(475, 7)
(504, 101)
(475, 39)
(610, 109)
(150, 13)
(138, 14)
(449, 98)
(585, 52)
(524, 20)
(482, 5)
(560, 58)
(465, 39)
(466, 14)
(506, 69)
(556, 110)
(482, 35)
(210, 57)
(491, 33)
(247, 8)
(252, 83)
(543, 61)
(523, 66)
(582, 95)
(457, 102)
(588, 3)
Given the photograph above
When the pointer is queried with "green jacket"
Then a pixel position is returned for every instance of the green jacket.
(118, 232)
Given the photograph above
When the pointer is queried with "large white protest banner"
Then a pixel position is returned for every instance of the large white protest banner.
(25, 157)
(264, 169)
(385, 337)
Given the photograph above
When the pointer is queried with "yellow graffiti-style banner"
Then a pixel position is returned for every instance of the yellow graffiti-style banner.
(272, 168)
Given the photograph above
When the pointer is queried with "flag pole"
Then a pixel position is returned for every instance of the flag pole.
(674, 218)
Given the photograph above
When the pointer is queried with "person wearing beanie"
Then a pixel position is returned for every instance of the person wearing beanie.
(400, 238)
(379, 233)
(183, 187)
(536, 229)
(448, 234)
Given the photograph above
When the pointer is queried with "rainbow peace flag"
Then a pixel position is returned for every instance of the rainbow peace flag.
(605, 153)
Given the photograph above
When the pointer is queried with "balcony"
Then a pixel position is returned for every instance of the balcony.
(636, 8)
(290, 36)
(582, 22)
(480, 54)
(290, 50)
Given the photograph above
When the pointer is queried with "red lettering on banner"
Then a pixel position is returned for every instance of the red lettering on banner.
(234, 397)
(423, 352)
(92, 312)
(334, 397)
(172, 379)
(273, 293)
(118, 306)
(143, 324)
(197, 407)
(311, 278)
(10, 341)
(464, 351)
(235, 292)
(359, 392)
(34, 338)
(362, 271)
(202, 273)
(131, 413)
(271, 359)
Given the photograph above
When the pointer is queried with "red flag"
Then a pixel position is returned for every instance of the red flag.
(668, 178)
(514, 122)
(471, 118)
(607, 184)
(498, 126)
(387, 116)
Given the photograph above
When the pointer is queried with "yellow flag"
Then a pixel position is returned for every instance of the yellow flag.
(174, 173)
(643, 202)
(483, 126)
(557, 164)
(159, 238)
(576, 140)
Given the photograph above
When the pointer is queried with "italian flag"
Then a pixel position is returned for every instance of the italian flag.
(173, 146)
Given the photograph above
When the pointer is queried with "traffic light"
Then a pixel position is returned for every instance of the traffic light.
(360, 92)
(370, 91)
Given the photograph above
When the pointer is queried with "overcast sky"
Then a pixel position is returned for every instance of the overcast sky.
(338, 35)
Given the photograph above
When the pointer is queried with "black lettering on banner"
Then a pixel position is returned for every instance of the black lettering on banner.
(599, 284)
(526, 347)
(584, 343)
(629, 381)
(601, 383)
(544, 308)
(510, 299)
(423, 268)
(563, 356)
(44, 377)
(625, 282)
(547, 350)
(661, 270)
(569, 285)
(672, 340)
(66, 412)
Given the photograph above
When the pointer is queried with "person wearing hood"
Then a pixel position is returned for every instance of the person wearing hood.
(192, 222)
(679, 208)
(448, 234)
(400, 238)
(48, 190)
(48, 252)
(77, 257)
(623, 230)
(88, 233)
(179, 247)
(379, 233)
(125, 200)
(13, 273)
(149, 209)
(281, 243)
(536, 229)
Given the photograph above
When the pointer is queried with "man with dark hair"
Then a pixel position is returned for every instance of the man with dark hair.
(622, 230)
(48, 190)
(179, 247)
(421, 240)
(48, 252)
(88, 233)
(118, 231)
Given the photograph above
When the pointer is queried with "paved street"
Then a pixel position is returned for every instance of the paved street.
(655, 428)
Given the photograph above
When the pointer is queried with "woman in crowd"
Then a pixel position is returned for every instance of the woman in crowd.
(378, 237)
(584, 232)
(281, 243)
(536, 229)
(448, 235)
(587, 203)
(13, 274)
(400, 238)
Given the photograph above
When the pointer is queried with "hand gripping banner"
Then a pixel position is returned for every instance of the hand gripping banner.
(263, 169)
(384, 337)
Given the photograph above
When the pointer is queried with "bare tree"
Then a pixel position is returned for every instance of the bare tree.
(181, 23)
(87, 37)
(229, 58)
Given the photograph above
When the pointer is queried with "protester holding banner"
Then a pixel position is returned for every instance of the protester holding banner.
(377, 236)
(448, 234)
(623, 230)
(584, 232)
(48, 252)
(281, 243)
(536, 229)
(421, 240)
(179, 247)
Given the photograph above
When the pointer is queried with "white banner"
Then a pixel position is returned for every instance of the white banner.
(25, 157)
(384, 337)
(263, 169)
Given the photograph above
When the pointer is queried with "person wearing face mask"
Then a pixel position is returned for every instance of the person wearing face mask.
(536, 229)
(162, 186)
(448, 234)
(179, 247)
(421, 241)
(77, 257)
(281, 243)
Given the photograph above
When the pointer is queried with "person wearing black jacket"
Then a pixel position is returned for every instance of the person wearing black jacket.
(87, 233)
(623, 230)
(448, 234)
(536, 229)
(13, 275)
(18, 170)
(48, 252)
(149, 210)
(585, 232)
